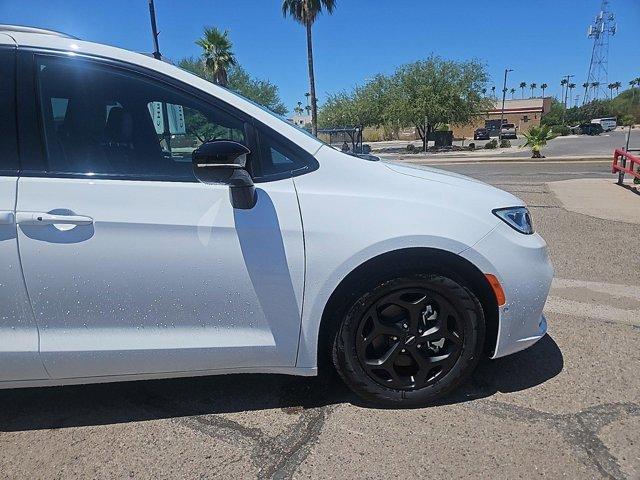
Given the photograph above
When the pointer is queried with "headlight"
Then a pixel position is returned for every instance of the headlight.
(517, 218)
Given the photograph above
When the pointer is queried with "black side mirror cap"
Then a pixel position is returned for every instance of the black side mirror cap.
(225, 162)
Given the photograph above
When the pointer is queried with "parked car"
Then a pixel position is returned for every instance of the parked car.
(588, 129)
(263, 250)
(481, 134)
(508, 130)
(607, 124)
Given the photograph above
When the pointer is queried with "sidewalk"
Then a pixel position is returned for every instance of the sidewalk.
(600, 198)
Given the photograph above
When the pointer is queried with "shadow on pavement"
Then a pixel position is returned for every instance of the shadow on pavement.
(84, 405)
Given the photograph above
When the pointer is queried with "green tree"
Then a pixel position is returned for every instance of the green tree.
(571, 86)
(195, 66)
(217, 54)
(537, 137)
(617, 86)
(425, 93)
(523, 85)
(420, 95)
(262, 92)
(306, 12)
(563, 84)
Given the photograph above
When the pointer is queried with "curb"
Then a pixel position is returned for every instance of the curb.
(463, 160)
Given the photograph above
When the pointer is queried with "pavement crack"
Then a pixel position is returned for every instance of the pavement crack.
(295, 444)
(579, 429)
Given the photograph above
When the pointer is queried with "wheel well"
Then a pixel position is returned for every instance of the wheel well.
(408, 260)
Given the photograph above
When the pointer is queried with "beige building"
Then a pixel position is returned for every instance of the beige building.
(300, 120)
(522, 113)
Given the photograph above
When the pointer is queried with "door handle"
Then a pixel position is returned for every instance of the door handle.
(6, 218)
(43, 218)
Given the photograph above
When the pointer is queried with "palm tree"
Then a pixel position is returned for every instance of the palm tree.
(532, 86)
(563, 83)
(571, 86)
(617, 85)
(513, 92)
(305, 12)
(543, 87)
(537, 137)
(298, 108)
(594, 86)
(523, 85)
(493, 91)
(611, 87)
(217, 56)
(585, 85)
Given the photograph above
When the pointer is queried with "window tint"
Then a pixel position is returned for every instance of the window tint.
(8, 133)
(102, 120)
(278, 158)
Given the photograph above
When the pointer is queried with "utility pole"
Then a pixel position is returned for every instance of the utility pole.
(566, 93)
(154, 31)
(156, 54)
(504, 94)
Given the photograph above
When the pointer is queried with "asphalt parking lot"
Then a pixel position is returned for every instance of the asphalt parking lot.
(571, 145)
(567, 407)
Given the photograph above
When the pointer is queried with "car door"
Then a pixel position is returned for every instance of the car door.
(131, 264)
(19, 359)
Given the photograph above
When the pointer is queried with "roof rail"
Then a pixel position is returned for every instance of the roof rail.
(41, 31)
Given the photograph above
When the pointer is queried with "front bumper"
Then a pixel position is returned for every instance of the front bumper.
(521, 264)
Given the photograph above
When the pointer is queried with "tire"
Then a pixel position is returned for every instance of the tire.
(420, 369)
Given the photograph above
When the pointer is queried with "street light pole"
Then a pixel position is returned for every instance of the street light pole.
(504, 94)
(566, 92)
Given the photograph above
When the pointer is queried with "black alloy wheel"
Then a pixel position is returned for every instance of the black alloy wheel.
(409, 338)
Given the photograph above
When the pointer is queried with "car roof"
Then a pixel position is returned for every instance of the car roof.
(31, 37)
(4, 28)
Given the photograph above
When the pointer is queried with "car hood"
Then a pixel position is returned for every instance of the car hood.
(470, 185)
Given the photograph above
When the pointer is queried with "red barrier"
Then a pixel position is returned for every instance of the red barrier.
(627, 165)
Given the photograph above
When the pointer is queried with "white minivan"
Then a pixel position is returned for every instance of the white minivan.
(155, 225)
(607, 124)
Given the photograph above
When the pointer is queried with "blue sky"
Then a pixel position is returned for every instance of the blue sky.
(542, 40)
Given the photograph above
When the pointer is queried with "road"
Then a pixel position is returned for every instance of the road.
(567, 407)
(600, 145)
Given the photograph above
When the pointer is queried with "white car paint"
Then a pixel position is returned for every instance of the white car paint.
(167, 279)
(172, 279)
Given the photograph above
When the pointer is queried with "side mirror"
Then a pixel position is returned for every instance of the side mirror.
(225, 162)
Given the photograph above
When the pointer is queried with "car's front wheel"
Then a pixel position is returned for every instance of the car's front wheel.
(409, 340)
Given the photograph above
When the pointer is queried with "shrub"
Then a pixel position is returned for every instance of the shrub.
(627, 120)
(561, 130)
(411, 148)
(504, 143)
(491, 144)
(472, 146)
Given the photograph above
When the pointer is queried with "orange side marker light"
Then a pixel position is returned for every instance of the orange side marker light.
(497, 289)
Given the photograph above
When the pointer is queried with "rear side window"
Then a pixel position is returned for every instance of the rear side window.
(8, 131)
(102, 120)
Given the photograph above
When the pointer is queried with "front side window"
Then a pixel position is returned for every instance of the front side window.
(102, 120)
(279, 159)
